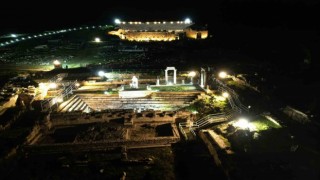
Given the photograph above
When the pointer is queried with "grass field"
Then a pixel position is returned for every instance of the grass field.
(181, 88)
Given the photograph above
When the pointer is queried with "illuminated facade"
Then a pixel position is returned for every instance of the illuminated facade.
(157, 31)
(196, 34)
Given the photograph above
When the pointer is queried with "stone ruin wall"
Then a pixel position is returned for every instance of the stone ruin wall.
(130, 117)
(150, 36)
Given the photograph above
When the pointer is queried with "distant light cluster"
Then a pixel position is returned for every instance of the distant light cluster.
(186, 21)
(13, 41)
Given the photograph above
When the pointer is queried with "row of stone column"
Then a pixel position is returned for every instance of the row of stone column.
(202, 76)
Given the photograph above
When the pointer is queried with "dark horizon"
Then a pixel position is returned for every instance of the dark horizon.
(30, 17)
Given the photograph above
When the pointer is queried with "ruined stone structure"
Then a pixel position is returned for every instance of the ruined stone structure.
(174, 75)
(108, 129)
(147, 100)
(157, 31)
(196, 34)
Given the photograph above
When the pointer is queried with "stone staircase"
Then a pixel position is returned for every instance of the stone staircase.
(75, 103)
(156, 101)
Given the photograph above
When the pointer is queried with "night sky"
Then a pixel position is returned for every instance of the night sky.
(28, 16)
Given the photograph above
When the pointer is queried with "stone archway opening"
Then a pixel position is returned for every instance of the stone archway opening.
(174, 75)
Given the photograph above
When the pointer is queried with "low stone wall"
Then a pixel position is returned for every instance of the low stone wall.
(10, 103)
(175, 130)
(79, 118)
(118, 82)
(9, 122)
(245, 83)
(296, 115)
(134, 94)
(65, 119)
(210, 147)
(154, 116)
(34, 135)
(152, 36)
(129, 117)
(100, 145)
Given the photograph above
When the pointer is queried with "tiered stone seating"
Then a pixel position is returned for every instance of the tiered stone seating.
(157, 101)
(75, 103)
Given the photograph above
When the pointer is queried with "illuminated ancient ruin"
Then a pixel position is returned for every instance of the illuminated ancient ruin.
(157, 31)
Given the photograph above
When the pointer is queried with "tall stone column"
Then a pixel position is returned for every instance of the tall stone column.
(202, 77)
(175, 77)
(205, 78)
(137, 86)
(166, 76)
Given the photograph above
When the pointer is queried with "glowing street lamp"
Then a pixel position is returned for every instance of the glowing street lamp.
(56, 63)
(59, 99)
(187, 21)
(97, 40)
(223, 74)
(117, 21)
(192, 74)
(243, 123)
(42, 86)
(53, 85)
(194, 112)
(225, 94)
(221, 98)
(101, 73)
